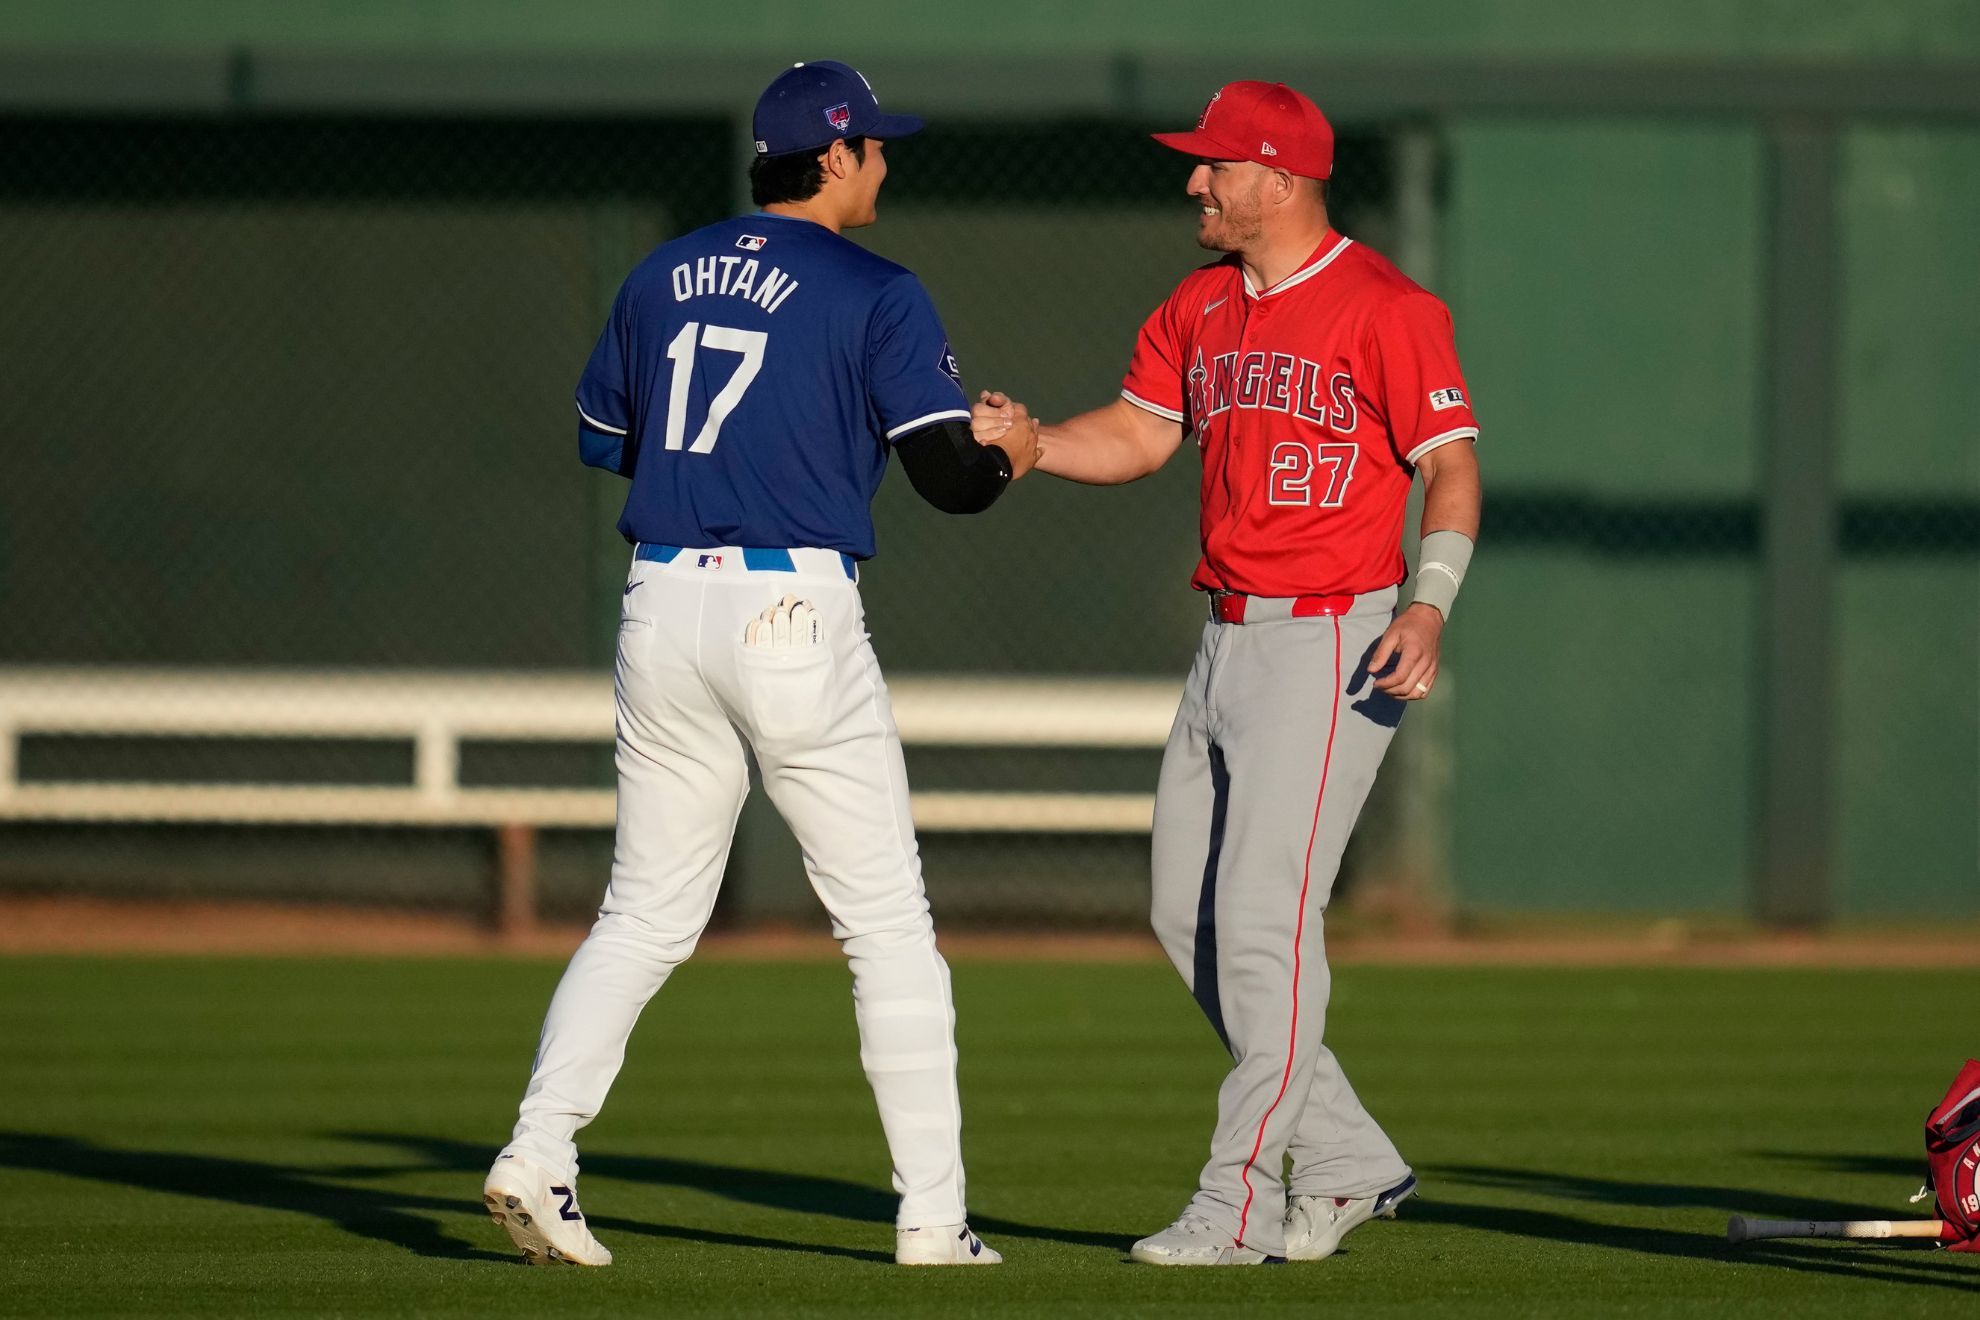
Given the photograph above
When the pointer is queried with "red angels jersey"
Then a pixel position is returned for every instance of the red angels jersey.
(1312, 401)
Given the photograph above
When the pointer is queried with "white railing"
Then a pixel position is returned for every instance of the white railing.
(438, 712)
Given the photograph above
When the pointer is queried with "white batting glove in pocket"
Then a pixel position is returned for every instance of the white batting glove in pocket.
(786, 674)
(790, 622)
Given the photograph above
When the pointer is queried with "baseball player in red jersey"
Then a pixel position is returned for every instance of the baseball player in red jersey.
(1319, 381)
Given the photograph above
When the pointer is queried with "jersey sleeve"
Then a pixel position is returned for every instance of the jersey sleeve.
(1417, 384)
(603, 407)
(1155, 373)
(912, 377)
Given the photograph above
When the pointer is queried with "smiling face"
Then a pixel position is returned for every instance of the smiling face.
(1230, 195)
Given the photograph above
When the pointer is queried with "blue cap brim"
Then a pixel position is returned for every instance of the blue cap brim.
(895, 126)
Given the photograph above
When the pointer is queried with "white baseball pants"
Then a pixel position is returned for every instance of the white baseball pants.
(818, 718)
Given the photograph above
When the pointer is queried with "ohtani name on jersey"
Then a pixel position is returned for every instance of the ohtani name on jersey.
(736, 277)
(1272, 382)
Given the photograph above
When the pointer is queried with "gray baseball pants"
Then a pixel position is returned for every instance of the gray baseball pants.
(1272, 754)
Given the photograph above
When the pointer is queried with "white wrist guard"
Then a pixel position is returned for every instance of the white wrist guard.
(1441, 561)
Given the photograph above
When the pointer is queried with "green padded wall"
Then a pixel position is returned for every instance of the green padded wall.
(1605, 282)
(1908, 700)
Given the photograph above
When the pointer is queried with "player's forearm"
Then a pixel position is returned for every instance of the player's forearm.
(1108, 446)
(1453, 492)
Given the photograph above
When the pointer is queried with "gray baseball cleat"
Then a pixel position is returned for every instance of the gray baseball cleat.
(1194, 1240)
(540, 1213)
(1315, 1225)
(946, 1244)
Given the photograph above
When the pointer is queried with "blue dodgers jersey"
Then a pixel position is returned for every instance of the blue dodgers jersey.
(750, 380)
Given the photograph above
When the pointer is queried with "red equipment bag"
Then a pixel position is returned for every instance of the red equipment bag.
(1952, 1159)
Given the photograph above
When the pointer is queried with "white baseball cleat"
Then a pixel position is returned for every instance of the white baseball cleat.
(540, 1213)
(1194, 1240)
(945, 1244)
(1315, 1225)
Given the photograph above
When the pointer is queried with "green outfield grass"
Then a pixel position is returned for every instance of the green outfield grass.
(308, 1138)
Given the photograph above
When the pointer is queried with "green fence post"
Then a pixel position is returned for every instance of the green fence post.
(1405, 830)
(1791, 885)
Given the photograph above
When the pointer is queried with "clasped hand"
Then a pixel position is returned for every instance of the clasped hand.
(999, 420)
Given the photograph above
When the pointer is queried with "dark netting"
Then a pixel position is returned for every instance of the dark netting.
(319, 369)
(298, 392)
(294, 394)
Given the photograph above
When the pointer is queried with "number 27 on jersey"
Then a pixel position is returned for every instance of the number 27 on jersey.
(1296, 465)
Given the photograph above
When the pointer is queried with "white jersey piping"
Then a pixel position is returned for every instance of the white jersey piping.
(1155, 408)
(1437, 441)
(1297, 276)
(597, 425)
(905, 427)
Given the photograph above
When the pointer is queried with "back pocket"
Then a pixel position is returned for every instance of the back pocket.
(785, 669)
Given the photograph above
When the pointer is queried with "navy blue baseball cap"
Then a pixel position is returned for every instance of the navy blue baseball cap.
(809, 105)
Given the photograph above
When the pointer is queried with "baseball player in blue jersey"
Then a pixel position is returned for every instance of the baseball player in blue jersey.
(750, 383)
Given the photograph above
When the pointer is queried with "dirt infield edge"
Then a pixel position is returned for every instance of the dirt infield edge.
(43, 924)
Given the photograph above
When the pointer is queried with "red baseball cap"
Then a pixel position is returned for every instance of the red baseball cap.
(1265, 122)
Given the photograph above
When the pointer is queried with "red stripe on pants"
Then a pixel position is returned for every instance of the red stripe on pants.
(1299, 931)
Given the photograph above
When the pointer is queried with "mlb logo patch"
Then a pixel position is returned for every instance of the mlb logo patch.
(840, 116)
(708, 561)
(950, 367)
(1442, 399)
(751, 243)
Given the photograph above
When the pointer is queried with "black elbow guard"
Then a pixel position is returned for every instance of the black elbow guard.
(949, 469)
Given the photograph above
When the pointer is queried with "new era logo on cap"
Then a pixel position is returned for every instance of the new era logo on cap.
(1266, 123)
(1442, 399)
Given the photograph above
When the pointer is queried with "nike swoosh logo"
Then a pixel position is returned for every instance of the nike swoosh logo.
(631, 587)
(1211, 307)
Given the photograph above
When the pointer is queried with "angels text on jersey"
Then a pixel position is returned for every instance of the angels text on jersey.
(1271, 382)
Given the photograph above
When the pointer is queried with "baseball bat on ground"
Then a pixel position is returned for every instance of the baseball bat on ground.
(1741, 1229)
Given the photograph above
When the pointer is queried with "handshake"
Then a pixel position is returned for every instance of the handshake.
(999, 420)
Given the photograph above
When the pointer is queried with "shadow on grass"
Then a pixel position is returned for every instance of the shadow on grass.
(410, 1221)
(398, 1219)
(1614, 1191)
(1899, 1263)
(380, 1216)
(1903, 1168)
(801, 1193)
